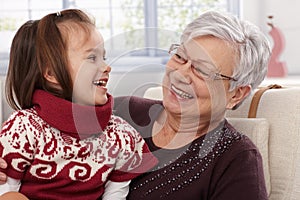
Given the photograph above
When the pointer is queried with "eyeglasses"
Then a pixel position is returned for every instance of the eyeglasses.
(203, 68)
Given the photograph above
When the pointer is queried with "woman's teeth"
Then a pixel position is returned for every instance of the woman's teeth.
(100, 83)
(181, 93)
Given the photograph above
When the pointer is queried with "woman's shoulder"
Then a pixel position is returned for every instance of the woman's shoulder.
(137, 111)
(240, 145)
(241, 140)
(133, 103)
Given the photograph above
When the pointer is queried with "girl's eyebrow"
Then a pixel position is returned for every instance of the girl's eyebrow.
(97, 49)
(90, 50)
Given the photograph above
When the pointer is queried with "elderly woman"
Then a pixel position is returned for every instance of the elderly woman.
(219, 60)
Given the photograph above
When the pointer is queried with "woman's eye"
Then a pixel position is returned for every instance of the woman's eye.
(202, 72)
(179, 58)
(104, 58)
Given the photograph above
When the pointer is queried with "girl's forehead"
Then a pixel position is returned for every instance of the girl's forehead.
(83, 37)
(74, 29)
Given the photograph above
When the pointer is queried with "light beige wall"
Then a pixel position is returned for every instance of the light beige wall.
(286, 17)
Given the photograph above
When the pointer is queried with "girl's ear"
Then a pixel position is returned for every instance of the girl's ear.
(237, 96)
(49, 76)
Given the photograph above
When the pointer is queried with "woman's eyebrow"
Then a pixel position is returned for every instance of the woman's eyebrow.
(200, 60)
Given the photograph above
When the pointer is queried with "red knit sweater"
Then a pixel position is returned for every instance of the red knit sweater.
(62, 150)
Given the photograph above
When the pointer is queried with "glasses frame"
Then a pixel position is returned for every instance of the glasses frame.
(217, 76)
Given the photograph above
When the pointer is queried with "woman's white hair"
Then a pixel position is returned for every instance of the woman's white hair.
(251, 45)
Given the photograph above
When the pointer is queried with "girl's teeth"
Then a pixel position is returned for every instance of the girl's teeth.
(99, 83)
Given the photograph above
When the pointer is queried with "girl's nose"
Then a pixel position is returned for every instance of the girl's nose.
(107, 69)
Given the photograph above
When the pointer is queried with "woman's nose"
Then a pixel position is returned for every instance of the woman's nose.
(185, 71)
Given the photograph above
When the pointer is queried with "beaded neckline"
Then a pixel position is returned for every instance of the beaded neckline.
(187, 167)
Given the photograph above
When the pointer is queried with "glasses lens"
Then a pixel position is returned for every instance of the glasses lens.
(203, 68)
(173, 49)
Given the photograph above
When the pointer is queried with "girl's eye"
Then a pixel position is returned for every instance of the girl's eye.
(93, 58)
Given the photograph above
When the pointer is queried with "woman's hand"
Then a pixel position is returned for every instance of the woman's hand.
(3, 176)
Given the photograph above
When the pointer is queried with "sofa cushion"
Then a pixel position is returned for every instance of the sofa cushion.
(154, 93)
(281, 107)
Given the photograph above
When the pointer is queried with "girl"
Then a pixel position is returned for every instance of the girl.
(63, 141)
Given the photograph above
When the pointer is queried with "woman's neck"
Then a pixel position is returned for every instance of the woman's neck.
(173, 132)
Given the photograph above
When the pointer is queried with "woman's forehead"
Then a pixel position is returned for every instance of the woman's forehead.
(197, 51)
(212, 49)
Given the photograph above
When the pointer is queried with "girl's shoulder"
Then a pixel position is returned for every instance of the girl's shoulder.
(118, 127)
(25, 113)
(21, 119)
(120, 132)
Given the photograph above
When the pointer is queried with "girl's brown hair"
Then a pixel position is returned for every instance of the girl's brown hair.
(23, 76)
(40, 46)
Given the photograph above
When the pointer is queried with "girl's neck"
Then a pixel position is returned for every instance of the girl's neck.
(78, 120)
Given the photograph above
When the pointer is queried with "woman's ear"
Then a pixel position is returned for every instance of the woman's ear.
(236, 96)
(49, 76)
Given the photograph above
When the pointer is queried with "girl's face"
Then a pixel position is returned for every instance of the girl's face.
(88, 70)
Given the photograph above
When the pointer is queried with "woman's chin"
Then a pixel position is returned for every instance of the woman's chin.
(171, 104)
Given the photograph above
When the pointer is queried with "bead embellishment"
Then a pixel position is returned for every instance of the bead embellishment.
(191, 163)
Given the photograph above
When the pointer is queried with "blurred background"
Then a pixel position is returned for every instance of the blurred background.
(138, 33)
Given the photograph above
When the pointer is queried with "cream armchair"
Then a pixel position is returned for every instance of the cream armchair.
(276, 132)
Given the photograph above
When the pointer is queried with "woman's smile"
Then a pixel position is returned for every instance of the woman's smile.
(180, 93)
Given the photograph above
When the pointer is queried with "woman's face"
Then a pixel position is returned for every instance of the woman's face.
(187, 91)
(88, 70)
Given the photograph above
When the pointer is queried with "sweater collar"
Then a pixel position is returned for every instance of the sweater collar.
(80, 121)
